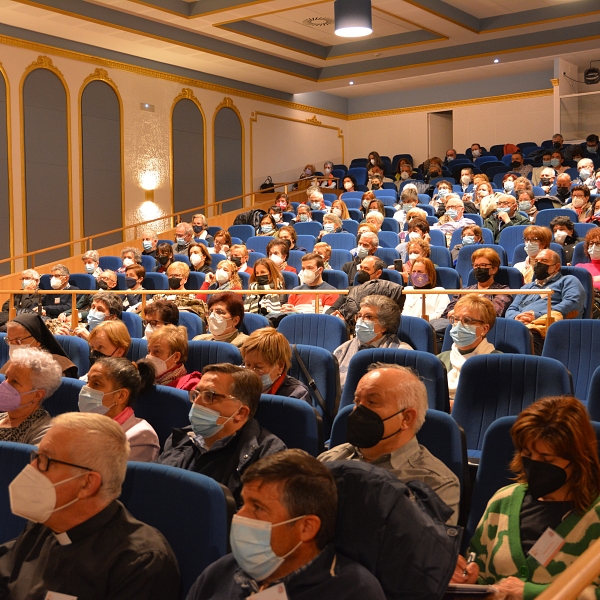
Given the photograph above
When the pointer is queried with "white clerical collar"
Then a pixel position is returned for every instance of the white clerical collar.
(63, 538)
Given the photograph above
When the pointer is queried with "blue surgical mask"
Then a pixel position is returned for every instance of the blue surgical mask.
(94, 318)
(468, 240)
(585, 174)
(250, 541)
(509, 185)
(90, 268)
(525, 206)
(365, 331)
(532, 249)
(592, 149)
(443, 192)
(181, 241)
(204, 420)
(147, 245)
(90, 401)
(329, 227)
(315, 205)
(555, 162)
(362, 252)
(452, 213)
(503, 209)
(303, 217)
(463, 335)
(266, 228)
(547, 163)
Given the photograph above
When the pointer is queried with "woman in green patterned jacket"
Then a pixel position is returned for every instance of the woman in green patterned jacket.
(532, 530)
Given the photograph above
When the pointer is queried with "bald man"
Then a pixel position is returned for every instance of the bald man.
(390, 408)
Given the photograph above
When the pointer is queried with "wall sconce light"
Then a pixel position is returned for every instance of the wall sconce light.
(149, 181)
(353, 18)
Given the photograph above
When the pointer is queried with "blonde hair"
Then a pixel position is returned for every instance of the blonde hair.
(483, 306)
(179, 265)
(343, 207)
(272, 345)
(176, 337)
(234, 278)
(116, 331)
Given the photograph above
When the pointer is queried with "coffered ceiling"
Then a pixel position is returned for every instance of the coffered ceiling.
(290, 45)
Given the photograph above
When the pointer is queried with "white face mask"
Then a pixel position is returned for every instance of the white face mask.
(413, 256)
(465, 180)
(148, 331)
(337, 212)
(560, 236)
(593, 251)
(33, 495)
(160, 365)
(55, 282)
(222, 275)
(217, 324)
(372, 161)
(196, 259)
(276, 258)
(127, 262)
(404, 175)
(26, 283)
(348, 185)
(307, 277)
(414, 235)
(578, 202)
(90, 268)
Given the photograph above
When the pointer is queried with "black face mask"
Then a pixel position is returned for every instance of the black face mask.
(198, 228)
(542, 478)
(101, 285)
(130, 282)
(95, 355)
(375, 186)
(365, 427)
(481, 275)
(557, 145)
(174, 283)
(562, 191)
(515, 164)
(434, 174)
(163, 260)
(362, 277)
(236, 260)
(545, 181)
(540, 270)
(262, 279)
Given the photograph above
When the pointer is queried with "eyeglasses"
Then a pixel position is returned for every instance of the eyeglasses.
(44, 462)
(153, 323)
(208, 397)
(578, 195)
(525, 240)
(464, 321)
(482, 266)
(16, 341)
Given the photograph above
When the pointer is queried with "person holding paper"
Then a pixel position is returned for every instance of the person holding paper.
(534, 529)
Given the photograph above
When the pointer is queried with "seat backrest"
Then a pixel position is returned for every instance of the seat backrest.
(148, 262)
(66, 398)
(258, 243)
(428, 208)
(201, 353)
(306, 241)
(488, 237)
(110, 262)
(544, 217)
(194, 282)
(509, 276)
(478, 219)
(359, 174)
(585, 278)
(293, 421)
(295, 259)
(184, 258)
(390, 224)
(447, 278)
(510, 238)
(441, 256)
(161, 496)
(323, 367)
(78, 350)
(347, 195)
(133, 323)
(138, 349)
(253, 257)
(83, 281)
(350, 225)
(388, 239)
(518, 380)
(418, 333)
(14, 458)
(317, 215)
(338, 279)
(309, 228)
(339, 257)
(290, 280)
(463, 262)
(241, 231)
(252, 322)
(340, 241)
(576, 344)
(216, 259)
(355, 214)
(192, 322)
(437, 238)
(424, 363)
(581, 229)
(324, 331)
(156, 281)
(353, 201)
(387, 255)
(520, 255)
(593, 398)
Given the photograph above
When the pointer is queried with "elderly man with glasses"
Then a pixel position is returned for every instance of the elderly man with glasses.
(223, 438)
(80, 541)
(504, 216)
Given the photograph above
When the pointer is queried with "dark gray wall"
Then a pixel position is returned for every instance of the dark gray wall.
(4, 198)
(101, 152)
(46, 164)
(188, 157)
(229, 170)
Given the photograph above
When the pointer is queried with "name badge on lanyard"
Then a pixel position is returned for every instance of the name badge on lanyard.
(276, 592)
(546, 548)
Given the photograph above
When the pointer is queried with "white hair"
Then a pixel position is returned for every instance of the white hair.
(378, 216)
(100, 444)
(44, 371)
(548, 171)
(585, 162)
(369, 235)
(151, 233)
(413, 391)
(455, 197)
(316, 195)
(30, 274)
(93, 254)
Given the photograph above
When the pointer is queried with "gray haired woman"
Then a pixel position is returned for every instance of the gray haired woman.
(328, 181)
(32, 376)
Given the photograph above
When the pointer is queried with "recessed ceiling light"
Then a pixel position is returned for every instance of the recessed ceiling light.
(496, 60)
(352, 18)
(352, 83)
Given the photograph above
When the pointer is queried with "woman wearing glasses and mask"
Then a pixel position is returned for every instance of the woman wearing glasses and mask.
(471, 320)
(110, 339)
(32, 376)
(113, 384)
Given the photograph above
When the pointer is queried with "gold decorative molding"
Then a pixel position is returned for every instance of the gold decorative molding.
(227, 103)
(186, 94)
(44, 62)
(450, 105)
(9, 167)
(314, 120)
(100, 75)
(554, 82)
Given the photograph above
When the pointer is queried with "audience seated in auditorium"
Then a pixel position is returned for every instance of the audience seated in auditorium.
(527, 204)
(536, 172)
(349, 183)
(580, 203)
(158, 313)
(287, 232)
(91, 263)
(328, 181)
(367, 245)
(595, 212)
(331, 224)
(369, 284)
(505, 215)
(28, 329)
(453, 219)
(26, 302)
(409, 198)
(339, 209)
(466, 180)
(303, 214)
(266, 276)
(591, 248)
(518, 165)
(473, 316)
(374, 161)
(311, 278)
(365, 202)
(134, 276)
(563, 188)
(290, 489)
(113, 385)
(267, 352)
(200, 258)
(587, 175)
(225, 317)
(200, 227)
(307, 178)
(390, 407)
(375, 218)
(314, 199)
(222, 243)
(415, 248)
(184, 236)
(568, 298)
(442, 189)
(450, 156)
(417, 229)
(278, 250)
(32, 376)
(54, 304)
(129, 256)
(404, 171)
(377, 323)
(565, 235)
(535, 239)
(423, 277)
(547, 180)
(225, 278)
(268, 226)
(557, 490)
(238, 255)
(591, 146)
(324, 251)
(275, 212)
(471, 234)
(110, 339)
(149, 242)
(178, 273)
(224, 438)
(557, 162)
(164, 257)
(282, 200)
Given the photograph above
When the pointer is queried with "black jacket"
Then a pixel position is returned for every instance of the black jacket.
(54, 304)
(350, 268)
